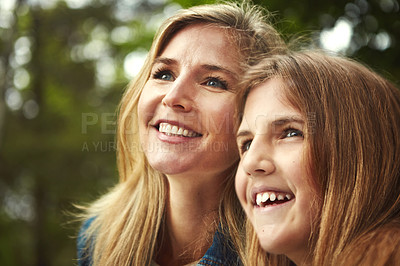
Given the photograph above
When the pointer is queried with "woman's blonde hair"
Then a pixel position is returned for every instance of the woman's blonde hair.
(353, 154)
(128, 219)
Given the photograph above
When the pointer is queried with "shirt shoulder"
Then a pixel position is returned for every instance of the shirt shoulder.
(221, 252)
(84, 256)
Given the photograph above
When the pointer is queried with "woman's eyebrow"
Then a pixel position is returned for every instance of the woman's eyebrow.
(219, 68)
(165, 61)
(209, 67)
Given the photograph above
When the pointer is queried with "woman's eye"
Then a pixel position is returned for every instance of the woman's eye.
(164, 75)
(216, 82)
(291, 132)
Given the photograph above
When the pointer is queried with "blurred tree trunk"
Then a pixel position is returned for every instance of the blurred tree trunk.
(38, 77)
(5, 80)
(3, 85)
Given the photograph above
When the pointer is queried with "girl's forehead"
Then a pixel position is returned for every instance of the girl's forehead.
(266, 107)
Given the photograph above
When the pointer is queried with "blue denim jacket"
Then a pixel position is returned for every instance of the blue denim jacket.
(219, 254)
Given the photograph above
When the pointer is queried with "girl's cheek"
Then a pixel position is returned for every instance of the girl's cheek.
(241, 183)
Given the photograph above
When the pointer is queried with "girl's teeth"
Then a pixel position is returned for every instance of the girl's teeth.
(272, 197)
(259, 199)
(262, 198)
(265, 197)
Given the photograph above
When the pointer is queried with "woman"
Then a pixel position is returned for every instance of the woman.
(319, 176)
(176, 145)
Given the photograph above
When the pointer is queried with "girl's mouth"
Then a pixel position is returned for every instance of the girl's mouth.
(264, 199)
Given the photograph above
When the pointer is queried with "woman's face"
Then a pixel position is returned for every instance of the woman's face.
(186, 107)
(271, 181)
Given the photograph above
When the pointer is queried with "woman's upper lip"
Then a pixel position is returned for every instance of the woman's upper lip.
(260, 189)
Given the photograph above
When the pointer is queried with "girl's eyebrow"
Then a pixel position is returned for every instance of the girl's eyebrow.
(280, 121)
(286, 120)
(242, 133)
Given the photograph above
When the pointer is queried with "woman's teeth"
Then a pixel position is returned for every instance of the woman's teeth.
(266, 198)
(171, 130)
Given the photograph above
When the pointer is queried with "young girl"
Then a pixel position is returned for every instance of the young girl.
(175, 203)
(319, 176)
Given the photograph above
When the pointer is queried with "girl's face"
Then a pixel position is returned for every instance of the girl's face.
(186, 107)
(271, 181)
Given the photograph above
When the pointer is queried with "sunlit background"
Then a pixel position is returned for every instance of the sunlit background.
(64, 65)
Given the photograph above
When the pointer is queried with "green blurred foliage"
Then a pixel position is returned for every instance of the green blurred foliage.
(371, 21)
(63, 69)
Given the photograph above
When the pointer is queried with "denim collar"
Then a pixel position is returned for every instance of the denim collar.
(221, 252)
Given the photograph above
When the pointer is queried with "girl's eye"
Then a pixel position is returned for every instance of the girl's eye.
(291, 132)
(245, 146)
(163, 75)
(216, 82)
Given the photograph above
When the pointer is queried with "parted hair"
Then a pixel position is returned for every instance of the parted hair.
(352, 136)
(127, 220)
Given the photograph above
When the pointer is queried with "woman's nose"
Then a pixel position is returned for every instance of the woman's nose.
(180, 95)
(258, 161)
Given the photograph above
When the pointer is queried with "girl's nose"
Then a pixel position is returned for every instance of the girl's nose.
(258, 161)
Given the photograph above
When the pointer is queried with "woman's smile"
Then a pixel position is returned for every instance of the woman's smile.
(173, 132)
(176, 131)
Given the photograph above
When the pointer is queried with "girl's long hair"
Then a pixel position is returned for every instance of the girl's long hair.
(128, 219)
(353, 154)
